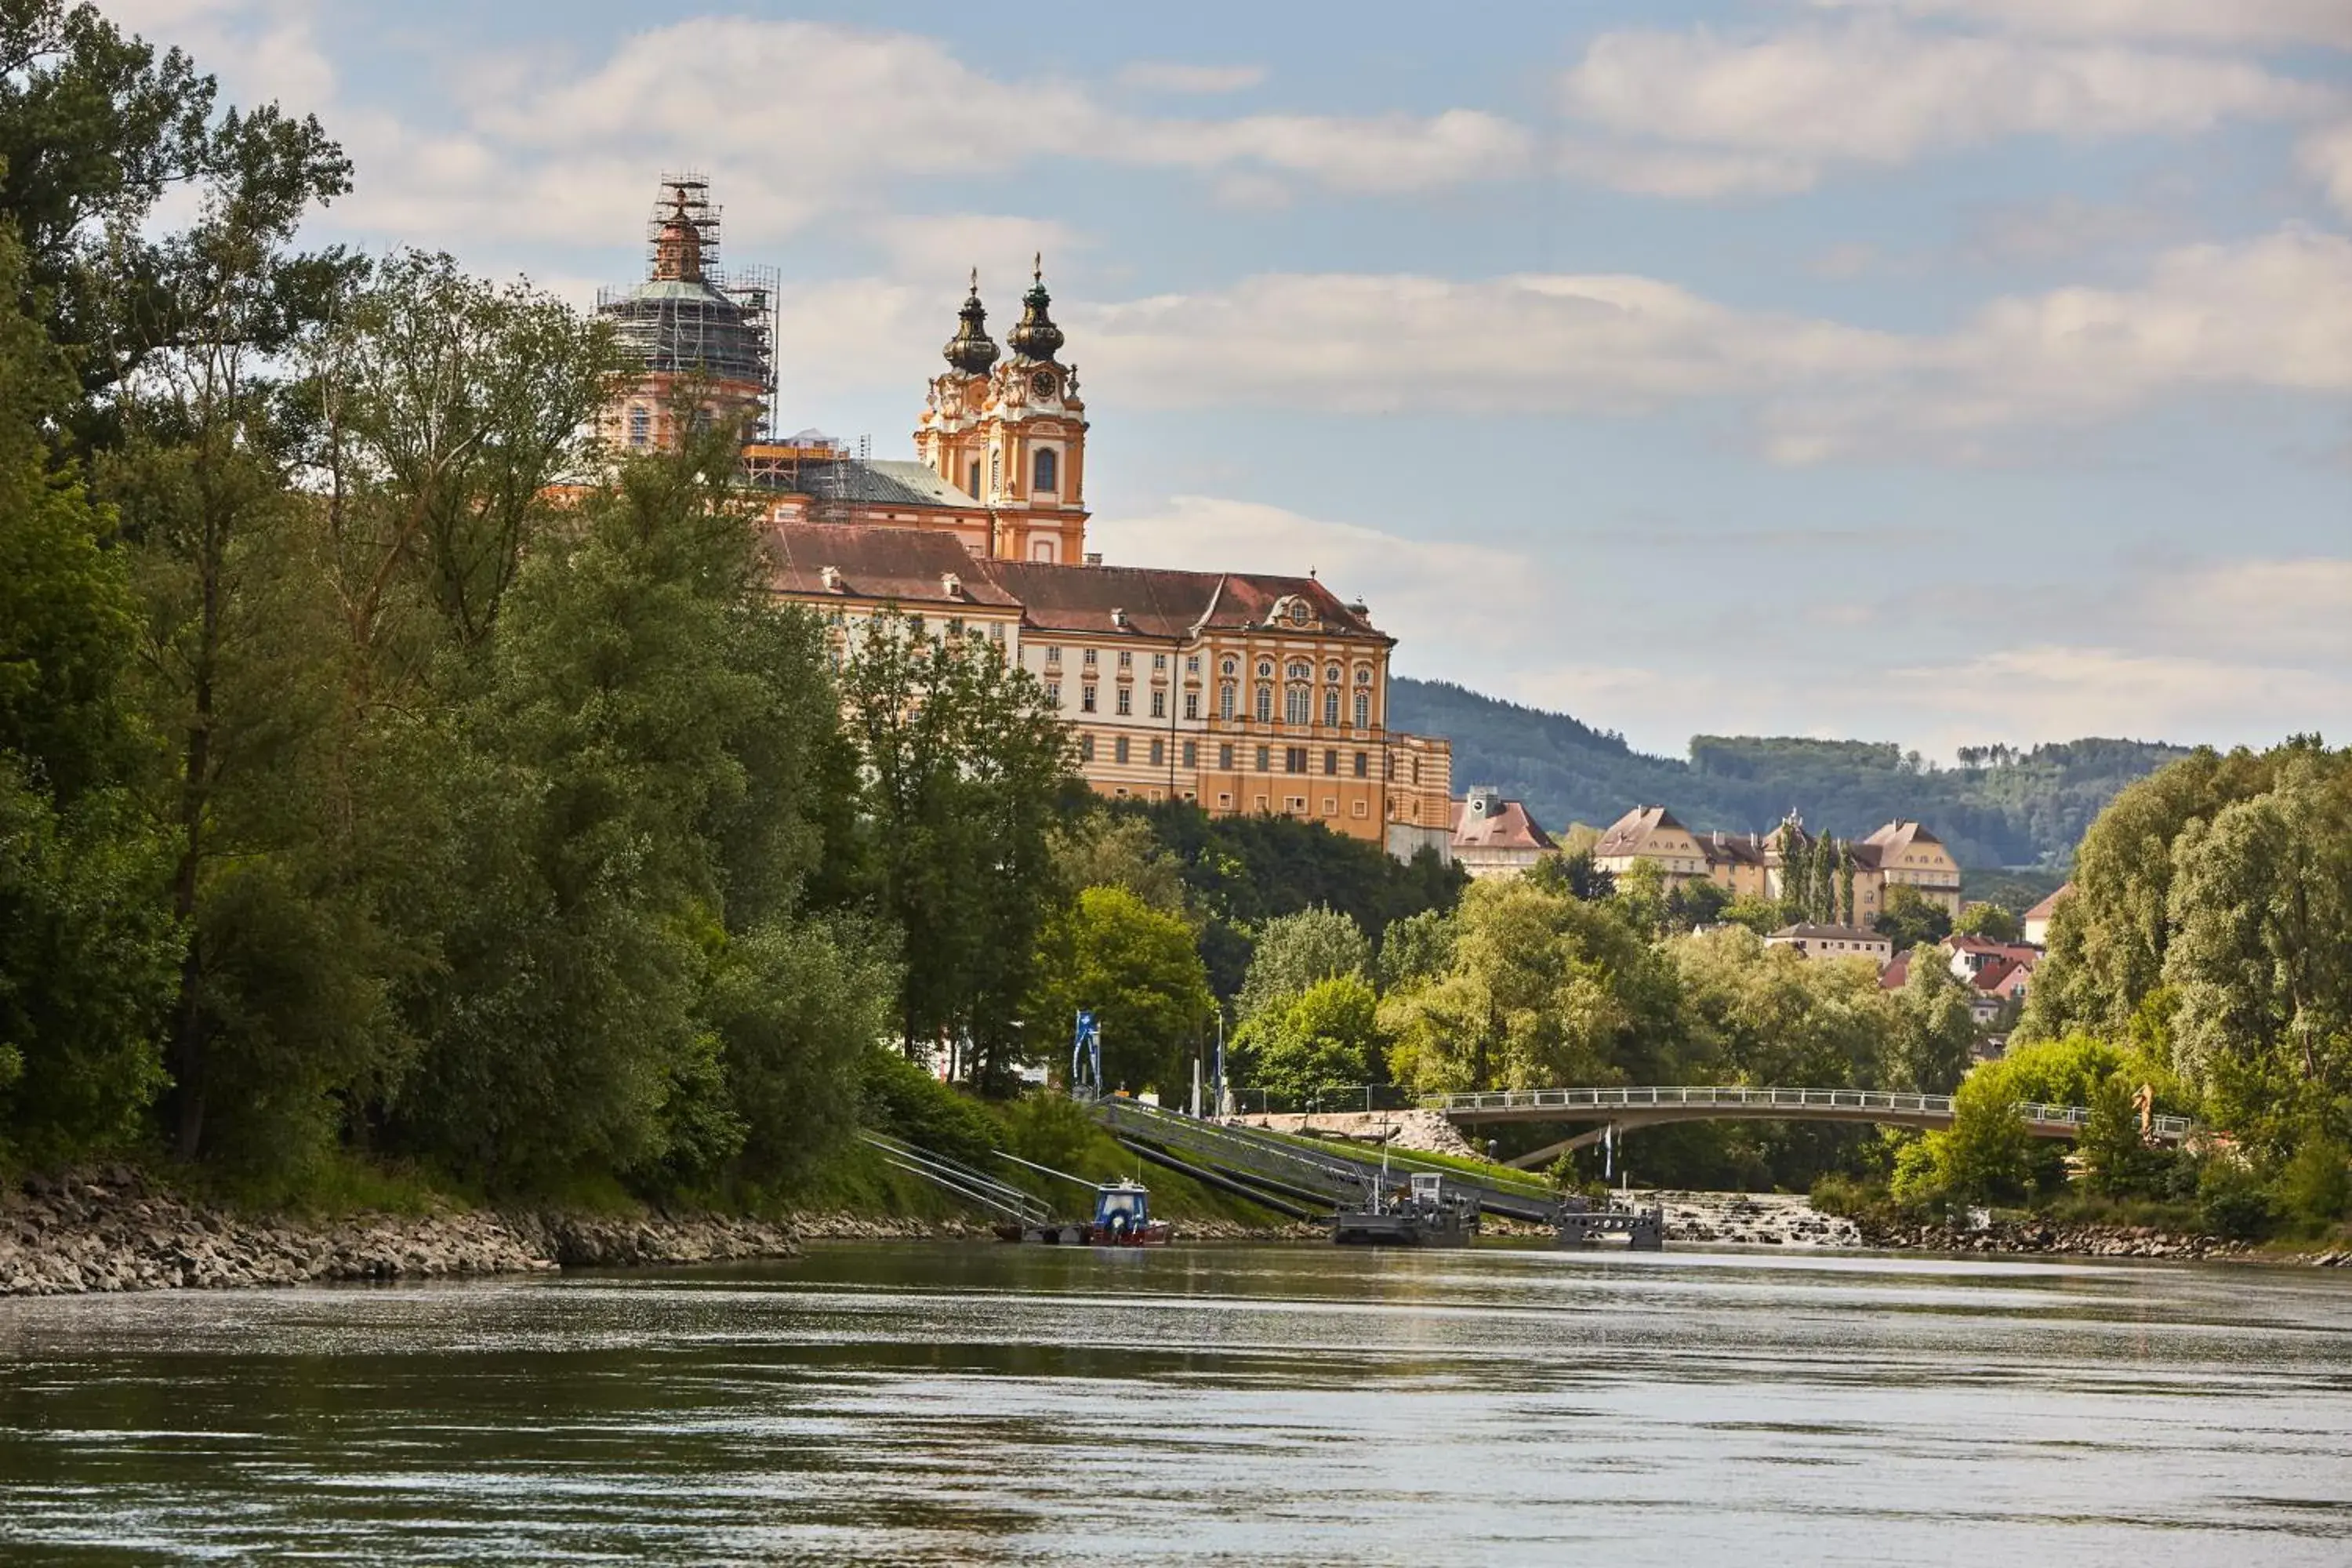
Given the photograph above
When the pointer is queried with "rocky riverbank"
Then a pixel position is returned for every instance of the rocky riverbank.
(2034, 1235)
(1751, 1219)
(113, 1231)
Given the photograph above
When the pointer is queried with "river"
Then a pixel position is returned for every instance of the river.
(1274, 1405)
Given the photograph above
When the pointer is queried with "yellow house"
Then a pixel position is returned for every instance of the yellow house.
(1651, 833)
(1749, 865)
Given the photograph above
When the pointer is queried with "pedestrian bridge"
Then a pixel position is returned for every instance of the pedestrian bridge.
(1625, 1106)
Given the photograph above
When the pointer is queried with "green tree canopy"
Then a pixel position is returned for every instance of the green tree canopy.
(1295, 952)
(1327, 1036)
(1135, 969)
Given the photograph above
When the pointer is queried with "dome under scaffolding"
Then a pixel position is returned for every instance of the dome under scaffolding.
(690, 319)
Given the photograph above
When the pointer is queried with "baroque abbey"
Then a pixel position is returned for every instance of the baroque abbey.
(1239, 691)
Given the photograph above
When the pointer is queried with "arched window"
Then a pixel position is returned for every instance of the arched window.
(1042, 549)
(1300, 669)
(1295, 705)
(1225, 700)
(1363, 710)
(1331, 673)
(1043, 470)
(1264, 668)
(1229, 667)
(1332, 705)
(1265, 704)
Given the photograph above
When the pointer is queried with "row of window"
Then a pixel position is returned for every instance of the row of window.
(1298, 705)
(1125, 659)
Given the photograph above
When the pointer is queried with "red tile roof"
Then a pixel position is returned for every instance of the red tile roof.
(1506, 826)
(910, 565)
(899, 565)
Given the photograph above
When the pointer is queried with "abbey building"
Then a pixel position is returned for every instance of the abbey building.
(1239, 691)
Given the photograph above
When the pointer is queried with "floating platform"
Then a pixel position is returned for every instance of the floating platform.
(1645, 1230)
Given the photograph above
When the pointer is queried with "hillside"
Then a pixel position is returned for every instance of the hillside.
(2029, 808)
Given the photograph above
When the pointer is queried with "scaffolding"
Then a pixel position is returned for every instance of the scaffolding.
(690, 319)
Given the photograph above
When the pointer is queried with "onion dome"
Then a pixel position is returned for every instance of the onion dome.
(1036, 337)
(972, 349)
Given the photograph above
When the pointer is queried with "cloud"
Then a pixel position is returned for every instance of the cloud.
(2326, 156)
(941, 247)
(1684, 175)
(2296, 609)
(1446, 598)
(539, 159)
(2225, 22)
(2272, 312)
(2053, 690)
(1788, 105)
(263, 50)
(1169, 75)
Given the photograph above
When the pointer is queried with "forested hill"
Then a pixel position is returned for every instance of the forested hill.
(2020, 809)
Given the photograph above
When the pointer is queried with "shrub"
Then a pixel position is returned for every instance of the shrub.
(2232, 1202)
(903, 1101)
(2314, 1187)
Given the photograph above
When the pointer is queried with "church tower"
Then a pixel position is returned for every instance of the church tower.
(1011, 433)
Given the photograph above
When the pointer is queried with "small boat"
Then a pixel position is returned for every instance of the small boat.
(1420, 1216)
(1122, 1218)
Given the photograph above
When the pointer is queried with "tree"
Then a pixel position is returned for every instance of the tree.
(1991, 921)
(1327, 1036)
(1416, 949)
(1752, 1013)
(1935, 1033)
(1909, 919)
(1574, 873)
(1640, 897)
(95, 132)
(1543, 990)
(1104, 849)
(2260, 958)
(965, 769)
(1135, 968)
(1295, 952)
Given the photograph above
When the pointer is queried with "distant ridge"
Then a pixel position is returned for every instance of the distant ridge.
(2028, 810)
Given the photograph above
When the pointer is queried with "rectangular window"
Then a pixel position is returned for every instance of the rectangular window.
(1294, 759)
(1085, 698)
(1363, 765)
(1261, 803)
(1225, 757)
(1125, 659)
(1226, 701)
(955, 626)
(1158, 755)
(1330, 805)
(1226, 799)
(1192, 753)
(915, 625)
(996, 632)
(1053, 658)
(1191, 664)
(1191, 705)
(1159, 705)
(1125, 701)
(1363, 710)
(1088, 659)
(1085, 748)
(1160, 661)
(1118, 748)
(1054, 692)
(1331, 764)
(1264, 763)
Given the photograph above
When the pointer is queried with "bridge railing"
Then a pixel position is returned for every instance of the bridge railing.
(1858, 1102)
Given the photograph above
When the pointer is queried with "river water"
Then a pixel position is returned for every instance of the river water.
(1294, 1404)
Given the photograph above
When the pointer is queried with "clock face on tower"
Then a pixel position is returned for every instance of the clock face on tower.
(1042, 383)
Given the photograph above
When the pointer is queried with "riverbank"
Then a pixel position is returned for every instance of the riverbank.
(114, 1230)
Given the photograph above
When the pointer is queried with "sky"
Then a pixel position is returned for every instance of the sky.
(1943, 371)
